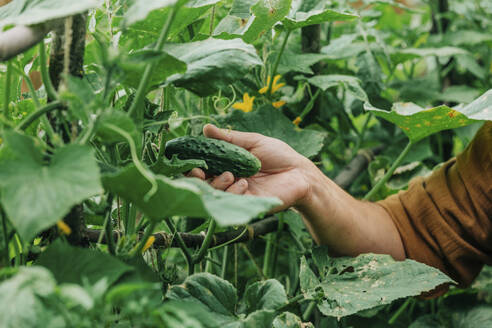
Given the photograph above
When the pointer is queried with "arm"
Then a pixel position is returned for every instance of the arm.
(333, 217)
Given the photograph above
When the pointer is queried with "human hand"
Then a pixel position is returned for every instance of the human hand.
(283, 171)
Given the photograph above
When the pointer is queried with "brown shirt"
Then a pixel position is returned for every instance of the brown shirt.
(445, 220)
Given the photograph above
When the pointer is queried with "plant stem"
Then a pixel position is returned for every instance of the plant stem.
(293, 300)
(280, 228)
(149, 68)
(400, 310)
(182, 245)
(251, 257)
(49, 129)
(148, 232)
(50, 89)
(309, 310)
(225, 255)
(109, 226)
(267, 260)
(8, 81)
(206, 242)
(277, 61)
(37, 114)
(133, 151)
(5, 237)
(388, 174)
(212, 18)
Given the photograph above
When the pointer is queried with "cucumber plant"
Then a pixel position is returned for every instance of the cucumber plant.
(103, 104)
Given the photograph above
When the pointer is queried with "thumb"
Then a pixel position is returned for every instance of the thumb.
(245, 140)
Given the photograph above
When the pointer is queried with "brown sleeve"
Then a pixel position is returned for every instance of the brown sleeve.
(445, 220)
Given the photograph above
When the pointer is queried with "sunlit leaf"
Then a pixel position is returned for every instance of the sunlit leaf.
(29, 12)
(185, 196)
(250, 19)
(303, 13)
(418, 123)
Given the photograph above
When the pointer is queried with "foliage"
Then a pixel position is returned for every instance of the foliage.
(84, 181)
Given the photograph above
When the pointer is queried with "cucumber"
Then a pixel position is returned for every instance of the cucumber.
(219, 155)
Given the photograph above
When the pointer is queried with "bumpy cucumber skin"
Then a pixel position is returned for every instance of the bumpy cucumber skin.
(219, 155)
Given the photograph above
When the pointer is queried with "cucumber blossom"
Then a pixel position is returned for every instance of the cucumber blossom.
(219, 155)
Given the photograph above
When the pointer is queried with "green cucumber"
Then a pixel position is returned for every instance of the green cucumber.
(219, 155)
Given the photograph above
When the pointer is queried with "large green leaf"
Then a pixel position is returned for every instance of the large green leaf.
(29, 12)
(72, 264)
(217, 295)
(290, 320)
(350, 285)
(144, 32)
(36, 195)
(185, 196)
(140, 9)
(21, 301)
(271, 122)
(265, 295)
(348, 82)
(295, 62)
(249, 19)
(213, 64)
(165, 66)
(219, 298)
(418, 123)
(305, 13)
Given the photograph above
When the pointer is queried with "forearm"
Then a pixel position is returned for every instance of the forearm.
(347, 226)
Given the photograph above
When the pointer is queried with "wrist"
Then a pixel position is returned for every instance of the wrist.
(313, 179)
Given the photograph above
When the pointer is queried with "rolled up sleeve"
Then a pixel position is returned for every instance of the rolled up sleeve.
(445, 220)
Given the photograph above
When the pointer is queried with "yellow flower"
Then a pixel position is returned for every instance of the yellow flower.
(297, 121)
(148, 243)
(64, 228)
(246, 105)
(278, 104)
(275, 86)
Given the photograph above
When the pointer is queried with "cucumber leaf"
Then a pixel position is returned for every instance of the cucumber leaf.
(349, 285)
(30, 12)
(269, 121)
(213, 64)
(418, 123)
(35, 194)
(187, 197)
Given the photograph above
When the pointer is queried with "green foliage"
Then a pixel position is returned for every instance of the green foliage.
(270, 122)
(36, 194)
(191, 197)
(351, 285)
(387, 74)
(27, 12)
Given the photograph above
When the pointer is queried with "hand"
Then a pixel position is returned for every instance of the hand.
(282, 173)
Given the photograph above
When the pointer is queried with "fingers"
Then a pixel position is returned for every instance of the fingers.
(197, 173)
(239, 187)
(246, 140)
(223, 181)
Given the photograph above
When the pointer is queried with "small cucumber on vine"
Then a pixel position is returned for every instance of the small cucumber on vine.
(219, 155)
